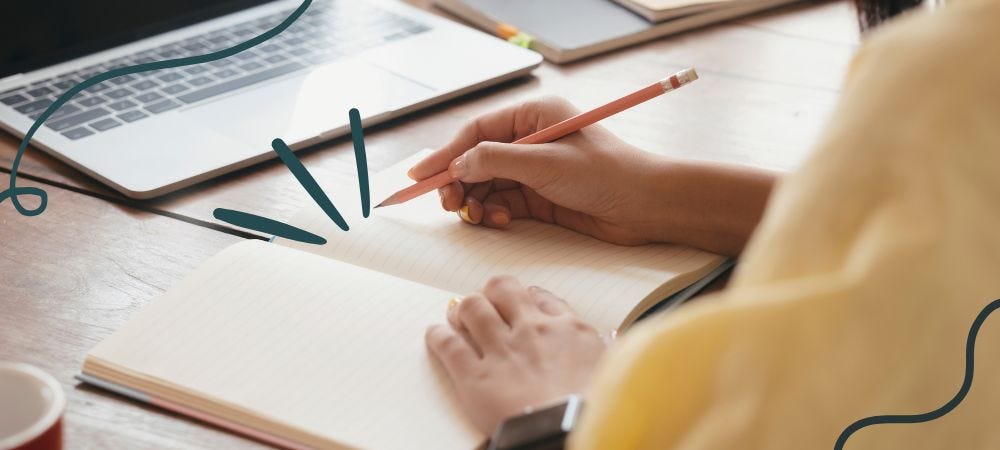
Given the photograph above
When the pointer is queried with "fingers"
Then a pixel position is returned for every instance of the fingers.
(494, 126)
(504, 125)
(485, 321)
(454, 352)
(471, 211)
(477, 316)
(507, 296)
(451, 196)
(526, 164)
(500, 207)
(548, 302)
(497, 210)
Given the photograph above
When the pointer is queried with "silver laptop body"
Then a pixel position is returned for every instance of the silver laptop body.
(153, 133)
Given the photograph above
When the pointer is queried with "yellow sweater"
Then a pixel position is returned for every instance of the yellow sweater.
(857, 292)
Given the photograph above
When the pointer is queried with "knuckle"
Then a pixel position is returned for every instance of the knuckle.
(521, 334)
(497, 281)
(472, 127)
(437, 336)
(538, 293)
(483, 152)
(448, 342)
(551, 99)
(542, 328)
(537, 103)
(557, 103)
(451, 347)
(579, 325)
(470, 305)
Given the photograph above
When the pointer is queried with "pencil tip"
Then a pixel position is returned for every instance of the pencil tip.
(378, 206)
(387, 202)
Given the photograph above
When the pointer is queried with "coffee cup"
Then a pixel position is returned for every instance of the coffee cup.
(31, 408)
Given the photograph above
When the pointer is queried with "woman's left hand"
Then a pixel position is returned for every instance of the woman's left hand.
(510, 347)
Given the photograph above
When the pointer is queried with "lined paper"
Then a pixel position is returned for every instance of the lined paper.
(335, 350)
(421, 242)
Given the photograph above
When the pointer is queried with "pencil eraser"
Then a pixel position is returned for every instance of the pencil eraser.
(687, 75)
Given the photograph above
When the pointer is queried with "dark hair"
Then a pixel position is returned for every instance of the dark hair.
(873, 12)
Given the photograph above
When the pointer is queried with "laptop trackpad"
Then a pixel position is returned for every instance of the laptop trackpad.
(307, 105)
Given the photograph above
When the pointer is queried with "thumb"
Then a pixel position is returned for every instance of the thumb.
(529, 164)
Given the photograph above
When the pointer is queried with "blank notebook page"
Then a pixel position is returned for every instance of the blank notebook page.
(419, 241)
(333, 349)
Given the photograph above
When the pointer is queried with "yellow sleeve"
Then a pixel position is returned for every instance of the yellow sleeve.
(856, 294)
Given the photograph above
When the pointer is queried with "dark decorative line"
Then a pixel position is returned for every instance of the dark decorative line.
(13, 192)
(280, 229)
(361, 159)
(265, 225)
(970, 354)
(308, 182)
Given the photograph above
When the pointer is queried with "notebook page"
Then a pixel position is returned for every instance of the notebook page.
(332, 349)
(419, 241)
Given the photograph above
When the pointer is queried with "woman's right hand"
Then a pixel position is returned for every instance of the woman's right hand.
(589, 181)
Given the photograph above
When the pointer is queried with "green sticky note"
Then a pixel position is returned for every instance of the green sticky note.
(521, 39)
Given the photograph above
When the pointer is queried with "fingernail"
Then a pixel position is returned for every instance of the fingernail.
(458, 168)
(441, 196)
(409, 173)
(500, 218)
(453, 303)
(464, 214)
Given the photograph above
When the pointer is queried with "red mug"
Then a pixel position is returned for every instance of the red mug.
(31, 408)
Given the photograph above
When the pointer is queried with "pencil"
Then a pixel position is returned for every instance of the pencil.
(558, 130)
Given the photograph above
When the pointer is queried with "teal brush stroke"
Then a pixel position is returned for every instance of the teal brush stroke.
(13, 192)
(361, 159)
(308, 182)
(265, 225)
(970, 355)
(270, 226)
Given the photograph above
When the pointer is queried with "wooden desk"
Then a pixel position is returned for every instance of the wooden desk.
(71, 276)
(75, 274)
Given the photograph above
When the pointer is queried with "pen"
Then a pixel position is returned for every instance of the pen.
(558, 130)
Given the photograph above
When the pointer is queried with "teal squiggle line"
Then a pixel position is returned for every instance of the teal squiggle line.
(970, 354)
(13, 192)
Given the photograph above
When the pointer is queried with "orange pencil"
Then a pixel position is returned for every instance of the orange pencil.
(558, 130)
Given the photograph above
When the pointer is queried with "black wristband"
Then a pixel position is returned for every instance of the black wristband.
(545, 428)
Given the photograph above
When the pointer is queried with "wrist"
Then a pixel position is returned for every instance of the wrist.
(703, 204)
(658, 203)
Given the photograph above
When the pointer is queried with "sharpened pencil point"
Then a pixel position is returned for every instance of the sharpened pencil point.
(388, 202)
(378, 206)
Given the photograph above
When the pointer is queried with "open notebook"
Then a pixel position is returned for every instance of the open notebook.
(322, 346)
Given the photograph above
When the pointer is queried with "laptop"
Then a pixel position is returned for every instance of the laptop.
(155, 132)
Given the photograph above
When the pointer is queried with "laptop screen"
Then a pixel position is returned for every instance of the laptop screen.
(38, 33)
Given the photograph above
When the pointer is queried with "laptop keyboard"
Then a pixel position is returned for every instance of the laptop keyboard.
(328, 30)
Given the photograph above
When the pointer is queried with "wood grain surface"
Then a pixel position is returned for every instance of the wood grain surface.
(69, 278)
